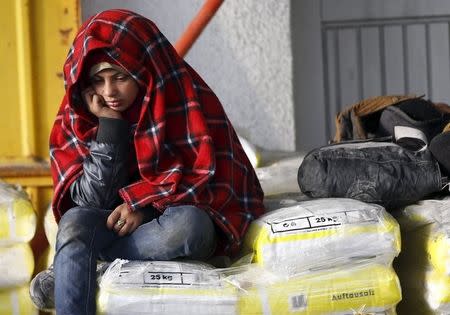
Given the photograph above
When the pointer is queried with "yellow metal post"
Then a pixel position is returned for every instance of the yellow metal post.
(36, 36)
(25, 87)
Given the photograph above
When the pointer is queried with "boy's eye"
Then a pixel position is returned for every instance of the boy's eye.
(121, 77)
(96, 80)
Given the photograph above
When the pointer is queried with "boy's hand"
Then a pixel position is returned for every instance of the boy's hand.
(124, 221)
(96, 105)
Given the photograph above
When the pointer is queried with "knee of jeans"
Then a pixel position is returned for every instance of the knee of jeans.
(192, 217)
(193, 223)
(76, 224)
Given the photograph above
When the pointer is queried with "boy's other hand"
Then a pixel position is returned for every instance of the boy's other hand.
(124, 221)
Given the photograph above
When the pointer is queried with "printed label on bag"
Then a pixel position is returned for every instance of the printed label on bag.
(297, 302)
(179, 279)
(310, 223)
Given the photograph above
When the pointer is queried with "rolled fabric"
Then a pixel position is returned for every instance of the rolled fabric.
(322, 233)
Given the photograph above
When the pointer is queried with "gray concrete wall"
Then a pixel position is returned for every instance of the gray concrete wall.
(244, 54)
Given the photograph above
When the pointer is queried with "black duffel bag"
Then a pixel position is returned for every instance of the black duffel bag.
(376, 170)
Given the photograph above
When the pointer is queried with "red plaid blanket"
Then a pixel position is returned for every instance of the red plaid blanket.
(187, 151)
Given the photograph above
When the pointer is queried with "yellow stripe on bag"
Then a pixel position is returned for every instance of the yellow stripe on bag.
(373, 288)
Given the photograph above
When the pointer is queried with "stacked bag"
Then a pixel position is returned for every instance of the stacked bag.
(424, 264)
(326, 256)
(329, 256)
(394, 151)
(17, 228)
(165, 287)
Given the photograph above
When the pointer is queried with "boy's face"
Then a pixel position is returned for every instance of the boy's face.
(118, 89)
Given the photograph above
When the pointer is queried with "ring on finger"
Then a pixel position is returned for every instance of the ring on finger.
(120, 223)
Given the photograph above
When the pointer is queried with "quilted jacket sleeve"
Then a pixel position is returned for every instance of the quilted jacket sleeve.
(105, 169)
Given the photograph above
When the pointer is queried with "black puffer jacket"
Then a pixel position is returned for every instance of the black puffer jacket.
(105, 169)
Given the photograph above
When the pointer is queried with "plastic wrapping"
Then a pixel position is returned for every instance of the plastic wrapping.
(194, 288)
(365, 289)
(322, 233)
(16, 265)
(17, 216)
(424, 212)
(438, 291)
(16, 301)
(164, 288)
(438, 248)
(424, 263)
(280, 177)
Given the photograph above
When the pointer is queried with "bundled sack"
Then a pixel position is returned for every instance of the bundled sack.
(16, 301)
(322, 233)
(164, 287)
(372, 171)
(367, 289)
(17, 216)
(16, 265)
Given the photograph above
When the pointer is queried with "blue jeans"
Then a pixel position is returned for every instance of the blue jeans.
(181, 231)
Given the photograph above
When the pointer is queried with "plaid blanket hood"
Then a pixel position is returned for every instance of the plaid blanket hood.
(186, 148)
